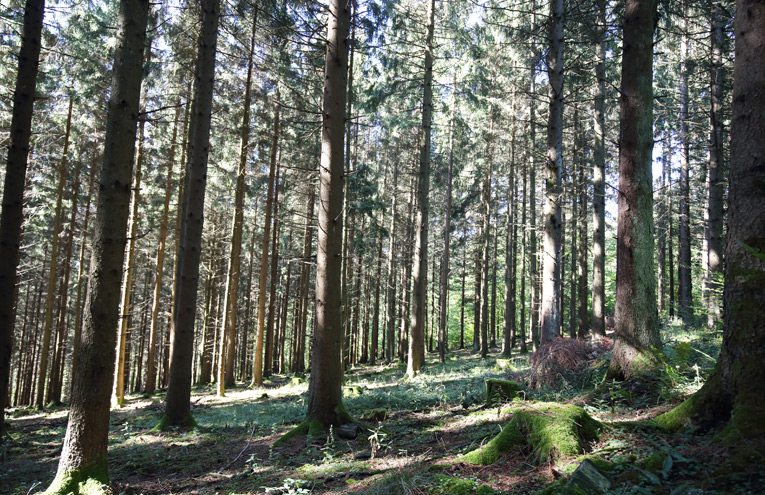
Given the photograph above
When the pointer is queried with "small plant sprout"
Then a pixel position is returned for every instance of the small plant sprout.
(377, 439)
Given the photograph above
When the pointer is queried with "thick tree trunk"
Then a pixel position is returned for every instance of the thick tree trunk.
(325, 406)
(732, 396)
(637, 322)
(13, 188)
(713, 213)
(83, 457)
(416, 357)
(178, 401)
(599, 181)
(257, 359)
(551, 293)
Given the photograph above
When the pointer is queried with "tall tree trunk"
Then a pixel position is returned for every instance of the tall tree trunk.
(416, 357)
(524, 256)
(599, 181)
(391, 297)
(57, 377)
(662, 214)
(228, 331)
(637, 322)
(684, 294)
(151, 368)
(532, 232)
(462, 292)
(53, 273)
(485, 240)
(257, 359)
(325, 406)
(305, 278)
(508, 329)
(269, 337)
(178, 401)
(732, 396)
(81, 278)
(373, 350)
(13, 188)
(713, 213)
(583, 315)
(83, 456)
(443, 321)
(551, 293)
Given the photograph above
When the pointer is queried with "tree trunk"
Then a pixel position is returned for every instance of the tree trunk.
(713, 217)
(305, 278)
(13, 189)
(373, 348)
(178, 401)
(83, 456)
(732, 396)
(599, 181)
(637, 322)
(443, 320)
(508, 330)
(228, 331)
(583, 316)
(391, 297)
(551, 294)
(269, 336)
(662, 216)
(416, 357)
(685, 288)
(257, 359)
(532, 228)
(485, 240)
(325, 406)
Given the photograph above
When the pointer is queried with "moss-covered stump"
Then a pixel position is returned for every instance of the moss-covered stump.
(91, 480)
(551, 430)
(497, 389)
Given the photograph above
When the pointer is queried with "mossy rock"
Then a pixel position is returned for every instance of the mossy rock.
(378, 414)
(497, 389)
(297, 380)
(551, 430)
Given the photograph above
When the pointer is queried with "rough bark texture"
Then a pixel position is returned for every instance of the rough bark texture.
(416, 357)
(177, 403)
(733, 394)
(82, 464)
(599, 183)
(325, 406)
(637, 321)
(13, 188)
(551, 277)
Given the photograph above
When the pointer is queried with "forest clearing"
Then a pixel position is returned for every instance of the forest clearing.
(428, 423)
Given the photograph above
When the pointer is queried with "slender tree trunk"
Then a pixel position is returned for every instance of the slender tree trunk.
(13, 188)
(53, 273)
(81, 277)
(637, 322)
(376, 309)
(257, 359)
(684, 295)
(583, 315)
(178, 401)
(462, 293)
(532, 232)
(443, 320)
(391, 323)
(305, 278)
(508, 330)
(599, 181)
(325, 405)
(228, 330)
(551, 294)
(83, 456)
(662, 215)
(269, 337)
(713, 218)
(484, 258)
(416, 357)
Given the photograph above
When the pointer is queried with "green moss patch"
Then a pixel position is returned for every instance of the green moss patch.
(90, 480)
(551, 430)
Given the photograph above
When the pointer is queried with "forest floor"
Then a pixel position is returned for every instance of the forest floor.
(431, 420)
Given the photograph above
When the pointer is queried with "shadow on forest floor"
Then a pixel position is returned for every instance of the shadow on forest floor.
(431, 420)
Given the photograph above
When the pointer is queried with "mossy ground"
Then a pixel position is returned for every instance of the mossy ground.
(430, 422)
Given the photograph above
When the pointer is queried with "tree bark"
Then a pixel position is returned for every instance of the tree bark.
(551, 293)
(685, 288)
(325, 406)
(416, 357)
(178, 401)
(599, 181)
(443, 300)
(83, 456)
(13, 188)
(637, 322)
